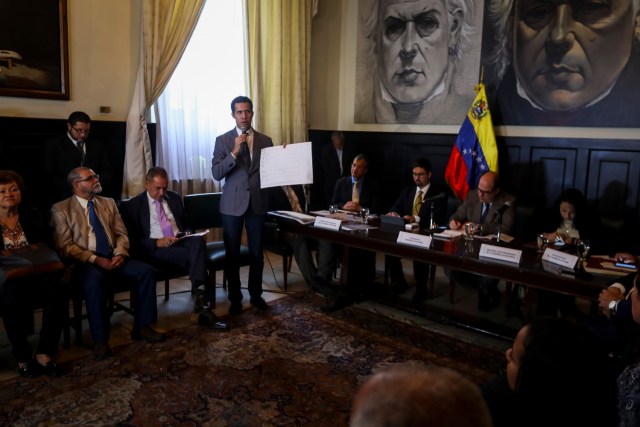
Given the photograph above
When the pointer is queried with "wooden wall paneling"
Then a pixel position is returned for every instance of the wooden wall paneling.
(552, 171)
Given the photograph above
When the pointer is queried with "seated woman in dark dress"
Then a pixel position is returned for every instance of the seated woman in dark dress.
(30, 271)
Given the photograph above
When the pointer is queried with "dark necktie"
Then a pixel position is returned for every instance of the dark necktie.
(102, 243)
(80, 147)
(485, 211)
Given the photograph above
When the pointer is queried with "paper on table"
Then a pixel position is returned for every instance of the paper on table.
(288, 165)
(448, 234)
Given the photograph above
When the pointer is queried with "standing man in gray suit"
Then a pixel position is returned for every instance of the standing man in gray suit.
(236, 159)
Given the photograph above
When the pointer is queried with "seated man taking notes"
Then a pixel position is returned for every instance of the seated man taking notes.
(154, 218)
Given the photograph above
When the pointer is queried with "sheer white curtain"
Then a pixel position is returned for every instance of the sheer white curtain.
(195, 107)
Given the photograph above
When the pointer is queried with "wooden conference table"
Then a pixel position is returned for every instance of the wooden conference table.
(461, 254)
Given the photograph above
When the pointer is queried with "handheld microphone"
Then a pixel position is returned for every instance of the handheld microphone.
(245, 131)
(502, 210)
(435, 198)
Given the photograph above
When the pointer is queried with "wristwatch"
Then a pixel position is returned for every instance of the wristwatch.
(613, 305)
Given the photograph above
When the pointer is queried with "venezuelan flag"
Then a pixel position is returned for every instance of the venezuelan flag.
(475, 151)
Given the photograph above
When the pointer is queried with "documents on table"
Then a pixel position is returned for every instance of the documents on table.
(299, 217)
(448, 234)
(603, 264)
(290, 165)
(355, 226)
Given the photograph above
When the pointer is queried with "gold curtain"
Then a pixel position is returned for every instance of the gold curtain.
(166, 28)
(279, 49)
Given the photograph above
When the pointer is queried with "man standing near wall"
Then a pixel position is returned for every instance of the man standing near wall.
(236, 159)
(73, 150)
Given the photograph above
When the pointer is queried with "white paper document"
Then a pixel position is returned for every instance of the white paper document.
(299, 217)
(290, 165)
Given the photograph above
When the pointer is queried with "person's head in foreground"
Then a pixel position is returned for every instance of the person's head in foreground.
(412, 395)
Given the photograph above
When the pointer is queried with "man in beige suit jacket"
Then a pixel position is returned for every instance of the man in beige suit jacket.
(99, 249)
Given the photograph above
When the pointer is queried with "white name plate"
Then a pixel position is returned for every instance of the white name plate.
(560, 258)
(500, 253)
(328, 223)
(413, 239)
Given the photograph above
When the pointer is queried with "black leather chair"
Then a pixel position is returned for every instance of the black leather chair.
(203, 212)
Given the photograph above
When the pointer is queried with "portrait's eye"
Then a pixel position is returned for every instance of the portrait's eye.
(590, 12)
(538, 15)
(394, 27)
(426, 24)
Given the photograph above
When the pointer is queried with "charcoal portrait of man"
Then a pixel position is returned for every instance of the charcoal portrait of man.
(417, 60)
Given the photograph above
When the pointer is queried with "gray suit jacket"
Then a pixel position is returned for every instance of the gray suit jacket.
(471, 210)
(242, 176)
(71, 228)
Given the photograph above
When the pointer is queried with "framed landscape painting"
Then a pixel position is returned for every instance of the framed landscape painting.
(34, 57)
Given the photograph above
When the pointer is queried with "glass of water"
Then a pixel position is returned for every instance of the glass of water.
(582, 247)
(333, 209)
(364, 215)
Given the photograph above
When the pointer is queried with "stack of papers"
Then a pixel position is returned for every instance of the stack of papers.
(448, 234)
(298, 217)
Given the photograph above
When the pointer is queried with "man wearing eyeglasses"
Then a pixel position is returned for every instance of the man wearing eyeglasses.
(484, 206)
(75, 149)
(89, 231)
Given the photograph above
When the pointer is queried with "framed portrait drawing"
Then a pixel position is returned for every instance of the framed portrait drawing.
(34, 55)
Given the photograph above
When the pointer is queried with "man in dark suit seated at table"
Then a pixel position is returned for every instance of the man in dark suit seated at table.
(351, 193)
(356, 191)
(483, 206)
(410, 206)
(89, 231)
(153, 219)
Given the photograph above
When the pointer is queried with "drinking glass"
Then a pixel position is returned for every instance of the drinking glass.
(333, 209)
(364, 215)
(470, 229)
(582, 248)
(543, 242)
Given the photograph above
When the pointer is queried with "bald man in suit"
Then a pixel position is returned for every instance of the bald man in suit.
(98, 254)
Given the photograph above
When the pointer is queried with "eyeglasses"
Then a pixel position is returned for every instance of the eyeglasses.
(483, 192)
(81, 131)
(89, 178)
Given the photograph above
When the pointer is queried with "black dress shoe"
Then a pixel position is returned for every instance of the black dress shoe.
(399, 287)
(51, 369)
(489, 302)
(420, 296)
(338, 304)
(30, 370)
(235, 308)
(148, 334)
(259, 303)
(101, 351)
(209, 320)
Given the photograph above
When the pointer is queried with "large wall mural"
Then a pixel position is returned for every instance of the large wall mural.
(545, 62)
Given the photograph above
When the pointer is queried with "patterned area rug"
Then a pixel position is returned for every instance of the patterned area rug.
(289, 366)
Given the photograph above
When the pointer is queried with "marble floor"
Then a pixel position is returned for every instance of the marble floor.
(177, 312)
